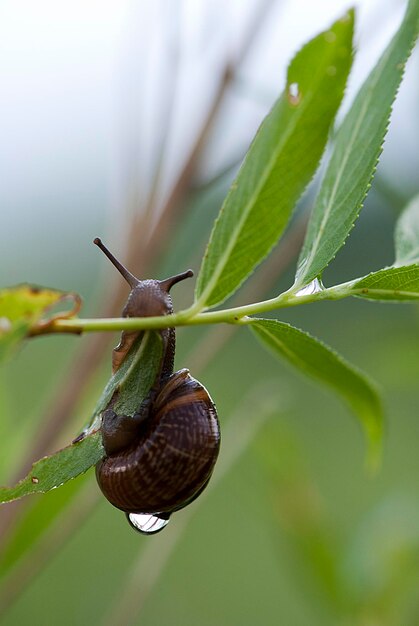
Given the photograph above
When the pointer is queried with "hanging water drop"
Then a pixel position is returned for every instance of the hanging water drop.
(148, 523)
(315, 286)
(330, 36)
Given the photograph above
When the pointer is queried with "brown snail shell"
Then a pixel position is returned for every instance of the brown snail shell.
(173, 455)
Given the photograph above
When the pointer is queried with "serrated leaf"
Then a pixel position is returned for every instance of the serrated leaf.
(280, 163)
(57, 469)
(127, 388)
(317, 360)
(24, 307)
(355, 156)
(393, 283)
(399, 282)
(407, 235)
(132, 381)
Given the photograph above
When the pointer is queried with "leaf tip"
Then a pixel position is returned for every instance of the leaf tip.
(374, 458)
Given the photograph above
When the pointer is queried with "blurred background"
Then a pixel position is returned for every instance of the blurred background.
(128, 120)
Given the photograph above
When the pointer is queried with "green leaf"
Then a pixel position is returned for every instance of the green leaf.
(134, 378)
(400, 282)
(129, 386)
(407, 235)
(29, 303)
(55, 470)
(280, 163)
(140, 375)
(319, 361)
(24, 307)
(355, 156)
(393, 283)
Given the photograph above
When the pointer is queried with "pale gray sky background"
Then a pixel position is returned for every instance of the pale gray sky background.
(85, 83)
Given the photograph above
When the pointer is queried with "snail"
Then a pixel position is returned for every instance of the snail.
(161, 458)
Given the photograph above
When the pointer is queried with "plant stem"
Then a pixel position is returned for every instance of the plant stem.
(188, 317)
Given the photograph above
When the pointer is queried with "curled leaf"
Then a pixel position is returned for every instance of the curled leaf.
(26, 310)
(31, 303)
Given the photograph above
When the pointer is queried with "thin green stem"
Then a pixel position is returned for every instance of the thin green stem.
(189, 317)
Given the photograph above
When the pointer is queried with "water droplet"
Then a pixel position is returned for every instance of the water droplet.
(345, 18)
(5, 324)
(331, 70)
(330, 36)
(294, 95)
(315, 286)
(148, 523)
(35, 480)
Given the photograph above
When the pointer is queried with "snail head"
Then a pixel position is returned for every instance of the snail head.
(148, 298)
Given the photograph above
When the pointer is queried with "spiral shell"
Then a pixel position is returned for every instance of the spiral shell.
(173, 455)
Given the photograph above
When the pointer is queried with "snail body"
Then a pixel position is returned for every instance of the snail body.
(161, 458)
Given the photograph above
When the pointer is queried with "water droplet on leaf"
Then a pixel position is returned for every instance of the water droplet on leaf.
(148, 523)
(294, 96)
(315, 286)
(345, 18)
(5, 324)
(330, 36)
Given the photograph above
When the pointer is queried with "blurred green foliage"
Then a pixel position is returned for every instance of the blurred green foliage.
(295, 533)
(239, 560)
